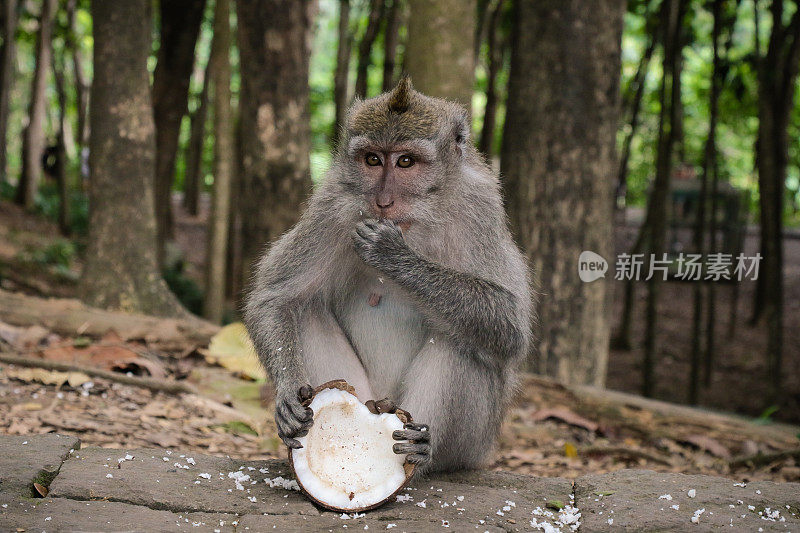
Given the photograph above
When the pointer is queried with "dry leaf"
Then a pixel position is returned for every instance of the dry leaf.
(565, 415)
(232, 348)
(570, 450)
(48, 377)
(708, 444)
(41, 489)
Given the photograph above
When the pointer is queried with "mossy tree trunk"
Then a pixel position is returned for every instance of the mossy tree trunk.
(440, 47)
(8, 55)
(274, 49)
(33, 140)
(559, 163)
(121, 269)
(223, 166)
(180, 26)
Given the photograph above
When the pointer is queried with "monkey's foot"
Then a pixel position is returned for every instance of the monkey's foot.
(418, 447)
(292, 417)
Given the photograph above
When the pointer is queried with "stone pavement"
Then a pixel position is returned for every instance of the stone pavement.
(98, 489)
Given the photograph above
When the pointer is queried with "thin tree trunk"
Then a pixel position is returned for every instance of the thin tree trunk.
(711, 166)
(81, 83)
(180, 26)
(439, 52)
(8, 55)
(193, 179)
(777, 81)
(559, 174)
(273, 117)
(637, 86)
(391, 35)
(61, 153)
(657, 204)
(707, 308)
(214, 306)
(33, 140)
(376, 8)
(121, 270)
(495, 52)
(340, 79)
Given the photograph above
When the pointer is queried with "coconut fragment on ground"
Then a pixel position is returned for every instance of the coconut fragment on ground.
(347, 462)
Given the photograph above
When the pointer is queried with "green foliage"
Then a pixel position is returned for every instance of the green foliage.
(60, 254)
(185, 289)
(766, 416)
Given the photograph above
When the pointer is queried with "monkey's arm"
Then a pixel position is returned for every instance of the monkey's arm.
(272, 315)
(472, 310)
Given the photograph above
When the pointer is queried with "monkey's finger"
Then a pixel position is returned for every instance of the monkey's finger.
(386, 406)
(418, 458)
(290, 442)
(295, 409)
(401, 448)
(418, 427)
(410, 434)
(305, 393)
(366, 234)
(290, 425)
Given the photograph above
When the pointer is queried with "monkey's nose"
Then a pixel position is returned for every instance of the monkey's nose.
(384, 204)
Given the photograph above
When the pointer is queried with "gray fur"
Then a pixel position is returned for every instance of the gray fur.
(453, 320)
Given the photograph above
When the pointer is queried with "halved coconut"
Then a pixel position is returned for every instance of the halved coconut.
(347, 462)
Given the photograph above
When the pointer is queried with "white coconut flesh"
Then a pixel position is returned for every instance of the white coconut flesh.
(347, 461)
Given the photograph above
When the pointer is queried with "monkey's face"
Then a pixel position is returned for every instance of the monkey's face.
(396, 179)
(400, 150)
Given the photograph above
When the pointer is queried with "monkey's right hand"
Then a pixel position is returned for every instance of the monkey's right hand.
(291, 416)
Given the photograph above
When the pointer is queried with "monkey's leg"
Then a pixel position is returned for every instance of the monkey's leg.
(328, 354)
(459, 400)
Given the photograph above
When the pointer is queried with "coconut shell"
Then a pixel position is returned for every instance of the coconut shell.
(405, 418)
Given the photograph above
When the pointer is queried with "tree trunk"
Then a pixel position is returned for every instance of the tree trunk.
(81, 83)
(180, 26)
(559, 161)
(709, 167)
(391, 36)
(121, 270)
(274, 119)
(8, 56)
(777, 80)
(61, 152)
(496, 48)
(365, 46)
(33, 140)
(193, 179)
(657, 204)
(439, 52)
(340, 77)
(637, 86)
(223, 166)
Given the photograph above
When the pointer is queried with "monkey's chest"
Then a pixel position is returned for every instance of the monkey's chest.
(385, 328)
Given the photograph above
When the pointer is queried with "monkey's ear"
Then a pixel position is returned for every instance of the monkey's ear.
(461, 130)
(400, 98)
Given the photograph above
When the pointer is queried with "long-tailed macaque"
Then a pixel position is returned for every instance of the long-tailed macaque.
(402, 278)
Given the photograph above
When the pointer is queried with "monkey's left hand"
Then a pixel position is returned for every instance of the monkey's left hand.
(418, 447)
(379, 242)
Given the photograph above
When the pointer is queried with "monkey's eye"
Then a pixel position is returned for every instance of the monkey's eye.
(372, 160)
(405, 161)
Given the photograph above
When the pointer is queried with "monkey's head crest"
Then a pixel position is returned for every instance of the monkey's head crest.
(401, 114)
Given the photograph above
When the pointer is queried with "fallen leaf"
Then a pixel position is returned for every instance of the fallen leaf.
(232, 348)
(570, 450)
(41, 489)
(48, 377)
(708, 444)
(565, 415)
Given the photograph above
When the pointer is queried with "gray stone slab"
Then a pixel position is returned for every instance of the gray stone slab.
(69, 515)
(642, 500)
(152, 479)
(24, 460)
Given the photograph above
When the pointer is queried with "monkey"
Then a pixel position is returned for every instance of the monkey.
(402, 278)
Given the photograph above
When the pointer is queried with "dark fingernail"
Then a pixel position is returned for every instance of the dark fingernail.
(397, 434)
